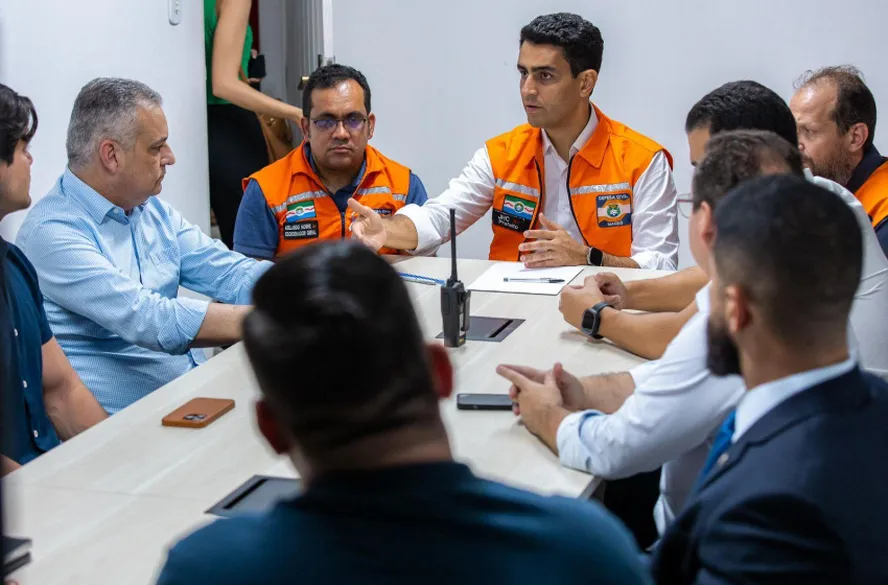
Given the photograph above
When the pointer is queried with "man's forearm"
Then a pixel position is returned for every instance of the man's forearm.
(645, 334)
(668, 293)
(400, 233)
(552, 420)
(222, 325)
(72, 410)
(607, 392)
(618, 261)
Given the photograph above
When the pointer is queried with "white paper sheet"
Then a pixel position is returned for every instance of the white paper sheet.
(493, 279)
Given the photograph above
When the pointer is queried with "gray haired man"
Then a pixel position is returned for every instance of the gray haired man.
(111, 256)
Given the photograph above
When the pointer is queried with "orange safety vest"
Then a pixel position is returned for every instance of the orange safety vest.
(873, 195)
(304, 209)
(600, 179)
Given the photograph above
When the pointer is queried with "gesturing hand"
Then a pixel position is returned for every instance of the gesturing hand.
(367, 227)
(553, 246)
(615, 292)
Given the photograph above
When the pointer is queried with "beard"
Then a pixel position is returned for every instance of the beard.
(838, 167)
(723, 357)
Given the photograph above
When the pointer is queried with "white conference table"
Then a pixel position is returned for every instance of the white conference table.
(105, 506)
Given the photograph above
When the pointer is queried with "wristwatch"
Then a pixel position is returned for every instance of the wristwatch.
(594, 257)
(592, 320)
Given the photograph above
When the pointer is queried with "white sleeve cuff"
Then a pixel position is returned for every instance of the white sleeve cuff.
(428, 239)
(571, 450)
(652, 260)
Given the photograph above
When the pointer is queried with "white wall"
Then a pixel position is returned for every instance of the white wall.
(50, 48)
(443, 73)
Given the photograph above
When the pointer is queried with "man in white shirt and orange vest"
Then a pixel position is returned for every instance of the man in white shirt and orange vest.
(302, 198)
(570, 187)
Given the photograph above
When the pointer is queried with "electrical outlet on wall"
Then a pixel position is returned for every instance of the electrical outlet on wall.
(175, 12)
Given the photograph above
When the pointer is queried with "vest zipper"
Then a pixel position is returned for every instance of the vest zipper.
(571, 203)
(539, 208)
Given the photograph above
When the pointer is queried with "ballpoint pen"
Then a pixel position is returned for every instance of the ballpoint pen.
(535, 280)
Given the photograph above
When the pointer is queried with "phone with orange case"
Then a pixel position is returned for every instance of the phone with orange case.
(198, 412)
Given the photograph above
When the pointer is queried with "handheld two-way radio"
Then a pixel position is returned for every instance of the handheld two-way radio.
(454, 299)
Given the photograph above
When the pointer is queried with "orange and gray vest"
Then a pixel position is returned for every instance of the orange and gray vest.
(305, 211)
(600, 179)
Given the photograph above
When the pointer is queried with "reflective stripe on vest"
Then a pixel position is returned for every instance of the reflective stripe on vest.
(601, 189)
(304, 210)
(601, 177)
(523, 189)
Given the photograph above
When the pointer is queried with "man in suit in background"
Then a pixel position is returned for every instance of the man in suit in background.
(793, 490)
(384, 502)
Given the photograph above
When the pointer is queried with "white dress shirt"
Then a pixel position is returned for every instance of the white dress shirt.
(869, 314)
(764, 398)
(677, 406)
(669, 420)
(654, 222)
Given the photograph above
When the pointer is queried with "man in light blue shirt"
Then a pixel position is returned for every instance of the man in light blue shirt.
(111, 257)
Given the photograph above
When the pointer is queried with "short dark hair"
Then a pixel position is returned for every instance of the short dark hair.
(796, 249)
(337, 348)
(854, 100)
(18, 122)
(743, 105)
(579, 39)
(737, 156)
(329, 76)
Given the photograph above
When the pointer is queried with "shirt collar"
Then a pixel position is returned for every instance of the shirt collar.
(764, 398)
(95, 204)
(582, 139)
(872, 160)
(4, 248)
(355, 182)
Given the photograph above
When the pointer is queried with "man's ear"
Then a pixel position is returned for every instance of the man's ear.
(110, 155)
(271, 428)
(857, 137)
(707, 224)
(371, 125)
(305, 125)
(738, 314)
(589, 79)
(442, 370)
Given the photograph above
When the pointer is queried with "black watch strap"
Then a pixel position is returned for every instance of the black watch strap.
(592, 320)
(594, 257)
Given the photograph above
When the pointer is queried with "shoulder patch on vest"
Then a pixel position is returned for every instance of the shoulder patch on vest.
(614, 210)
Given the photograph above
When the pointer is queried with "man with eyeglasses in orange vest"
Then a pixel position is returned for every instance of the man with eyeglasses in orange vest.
(303, 197)
(570, 187)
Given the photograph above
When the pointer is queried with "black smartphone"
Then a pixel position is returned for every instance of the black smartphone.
(483, 402)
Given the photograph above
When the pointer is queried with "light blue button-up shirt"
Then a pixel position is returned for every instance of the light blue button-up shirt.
(110, 283)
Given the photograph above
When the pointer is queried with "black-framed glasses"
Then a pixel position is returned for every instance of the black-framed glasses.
(685, 205)
(352, 123)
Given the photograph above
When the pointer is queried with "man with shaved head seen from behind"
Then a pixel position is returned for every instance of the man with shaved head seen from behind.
(383, 500)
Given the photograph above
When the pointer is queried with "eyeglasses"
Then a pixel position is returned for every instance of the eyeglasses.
(352, 123)
(685, 205)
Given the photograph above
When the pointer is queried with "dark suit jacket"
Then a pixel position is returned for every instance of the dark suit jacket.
(802, 497)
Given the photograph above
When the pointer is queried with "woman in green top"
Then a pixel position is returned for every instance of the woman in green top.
(236, 144)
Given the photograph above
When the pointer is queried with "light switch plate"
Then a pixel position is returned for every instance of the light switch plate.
(175, 12)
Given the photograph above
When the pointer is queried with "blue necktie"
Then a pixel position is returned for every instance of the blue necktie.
(719, 447)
